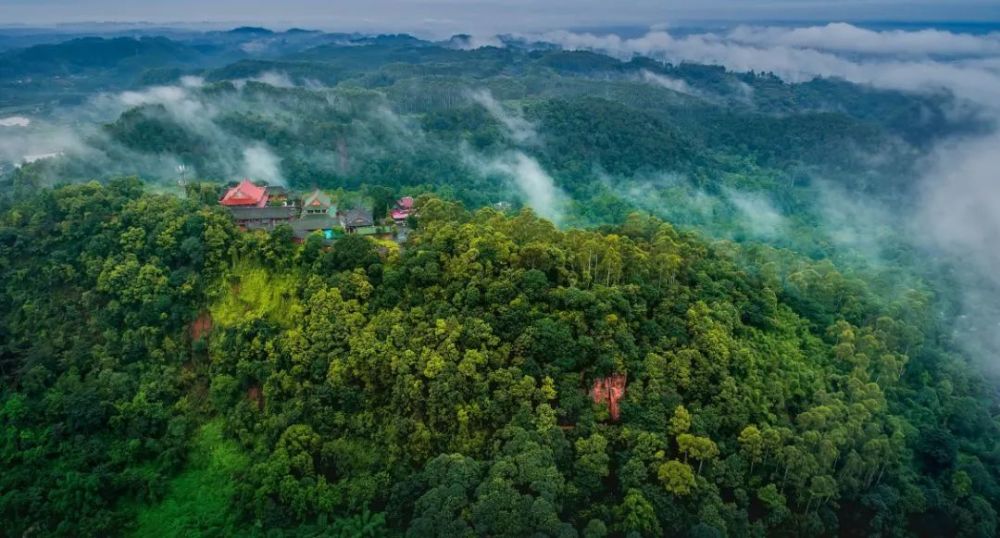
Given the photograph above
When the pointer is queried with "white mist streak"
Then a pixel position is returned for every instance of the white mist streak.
(259, 163)
(536, 186)
(520, 130)
(674, 84)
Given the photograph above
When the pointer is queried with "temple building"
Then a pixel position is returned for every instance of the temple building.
(318, 203)
(403, 210)
(318, 214)
(249, 205)
(358, 220)
(246, 194)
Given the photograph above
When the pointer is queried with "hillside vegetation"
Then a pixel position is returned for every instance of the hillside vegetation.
(443, 390)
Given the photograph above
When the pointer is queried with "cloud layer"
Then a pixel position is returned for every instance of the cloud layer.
(972, 71)
(957, 214)
(843, 37)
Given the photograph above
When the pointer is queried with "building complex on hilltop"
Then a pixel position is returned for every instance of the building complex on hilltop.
(256, 207)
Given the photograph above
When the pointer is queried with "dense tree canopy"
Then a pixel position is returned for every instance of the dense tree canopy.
(442, 390)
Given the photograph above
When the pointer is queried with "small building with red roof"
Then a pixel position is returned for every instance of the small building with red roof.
(246, 194)
(403, 209)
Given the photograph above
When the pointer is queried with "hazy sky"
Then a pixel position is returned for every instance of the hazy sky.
(443, 16)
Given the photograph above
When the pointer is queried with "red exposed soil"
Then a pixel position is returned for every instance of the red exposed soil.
(201, 326)
(254, 394)
(609, 390)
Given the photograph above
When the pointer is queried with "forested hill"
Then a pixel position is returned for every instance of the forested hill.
(161, 371)
(78, 55)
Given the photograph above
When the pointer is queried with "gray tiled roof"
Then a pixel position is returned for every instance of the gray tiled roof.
(357, 217)
(315, 222)
(266, 212)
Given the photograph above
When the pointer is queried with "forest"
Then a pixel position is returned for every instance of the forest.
(167, 375)
(640, 298)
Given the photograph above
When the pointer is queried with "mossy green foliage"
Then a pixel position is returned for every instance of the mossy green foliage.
(254, 293)
(199, 499)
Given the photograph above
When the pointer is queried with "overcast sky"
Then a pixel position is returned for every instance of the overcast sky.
(444, 16)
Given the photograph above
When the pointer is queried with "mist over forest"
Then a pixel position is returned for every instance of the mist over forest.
(781, 241)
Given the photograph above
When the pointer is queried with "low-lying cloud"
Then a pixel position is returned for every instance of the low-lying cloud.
(520, 130)
(472, 42)
(78, 136)
(536, 187)
(15, 121)
(970, 73)
(758, 214)
(843, 37)
(278, 79)
(957, 211)
(674, 84)
(260, 163)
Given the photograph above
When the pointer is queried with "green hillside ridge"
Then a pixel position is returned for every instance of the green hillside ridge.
(446, 391)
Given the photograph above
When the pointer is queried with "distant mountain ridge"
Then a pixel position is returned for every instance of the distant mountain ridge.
(85, 53)
(257, 30)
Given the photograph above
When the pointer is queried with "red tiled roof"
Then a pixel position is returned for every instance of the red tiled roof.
(245, 194)
(405, 202)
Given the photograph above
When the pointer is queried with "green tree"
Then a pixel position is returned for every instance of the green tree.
(680, 422)
(677, 477)
(636, 515)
